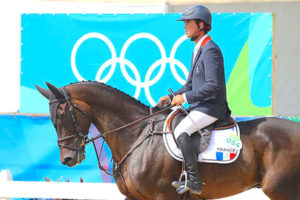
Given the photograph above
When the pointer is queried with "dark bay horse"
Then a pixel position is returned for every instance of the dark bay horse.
(270, 157)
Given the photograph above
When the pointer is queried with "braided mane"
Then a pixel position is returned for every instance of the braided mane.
(115, 90)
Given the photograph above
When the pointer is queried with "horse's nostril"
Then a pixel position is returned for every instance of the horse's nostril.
(67, 160)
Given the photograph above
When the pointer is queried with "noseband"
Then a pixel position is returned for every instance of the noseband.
(79, 133)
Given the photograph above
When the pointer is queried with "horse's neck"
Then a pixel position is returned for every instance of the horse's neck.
(110, 111)
(121, 141)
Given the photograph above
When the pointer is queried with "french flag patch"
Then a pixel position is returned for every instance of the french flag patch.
(225, 155)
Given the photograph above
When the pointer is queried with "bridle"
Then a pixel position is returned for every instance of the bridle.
(84, 137)
(79, 133)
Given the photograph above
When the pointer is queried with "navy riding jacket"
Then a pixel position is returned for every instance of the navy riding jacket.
(205, 88)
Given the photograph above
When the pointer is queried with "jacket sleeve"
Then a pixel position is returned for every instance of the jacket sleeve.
(186, 87)
(213, 70)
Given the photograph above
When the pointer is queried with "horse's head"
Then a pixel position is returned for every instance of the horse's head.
(71, 119)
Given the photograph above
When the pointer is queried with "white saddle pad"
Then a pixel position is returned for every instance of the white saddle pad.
(224, 146)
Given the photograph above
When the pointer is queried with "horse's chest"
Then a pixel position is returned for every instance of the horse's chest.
(128, 185)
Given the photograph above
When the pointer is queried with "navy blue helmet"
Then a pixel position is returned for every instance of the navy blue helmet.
(197, 12)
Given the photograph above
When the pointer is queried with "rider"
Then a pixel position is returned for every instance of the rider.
(204, 90)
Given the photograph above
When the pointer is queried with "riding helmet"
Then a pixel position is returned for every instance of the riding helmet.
(197, 12)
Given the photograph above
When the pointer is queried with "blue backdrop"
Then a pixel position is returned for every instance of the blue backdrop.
(30, 151)
(142, 55)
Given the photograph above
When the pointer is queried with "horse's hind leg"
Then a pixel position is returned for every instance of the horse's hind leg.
(282, 192)
(282, 172)
(281, 186)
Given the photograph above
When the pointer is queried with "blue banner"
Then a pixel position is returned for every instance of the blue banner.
(30, 151)
(144, 55)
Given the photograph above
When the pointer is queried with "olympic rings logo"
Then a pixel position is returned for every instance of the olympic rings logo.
(137, 83)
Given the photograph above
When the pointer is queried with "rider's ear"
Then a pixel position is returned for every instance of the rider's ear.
(57, 93)
(46, 93)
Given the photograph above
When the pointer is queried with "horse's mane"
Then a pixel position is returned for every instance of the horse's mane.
(115, 90)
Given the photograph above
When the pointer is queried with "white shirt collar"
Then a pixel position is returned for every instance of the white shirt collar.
(200, 42)
(197, 47)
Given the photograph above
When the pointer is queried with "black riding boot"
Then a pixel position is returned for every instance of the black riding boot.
(194, 184)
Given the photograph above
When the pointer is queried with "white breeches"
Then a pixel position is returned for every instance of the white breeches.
(194, 121)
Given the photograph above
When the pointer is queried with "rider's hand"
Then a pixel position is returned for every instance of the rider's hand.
(177, 100)
(165, 100)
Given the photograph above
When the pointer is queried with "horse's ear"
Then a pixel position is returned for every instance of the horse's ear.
(58, 94)
(46, 93)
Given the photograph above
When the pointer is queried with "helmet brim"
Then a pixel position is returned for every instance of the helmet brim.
(183, 18)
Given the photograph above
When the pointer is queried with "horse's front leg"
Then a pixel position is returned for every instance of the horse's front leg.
(186, 196)
(127, 198)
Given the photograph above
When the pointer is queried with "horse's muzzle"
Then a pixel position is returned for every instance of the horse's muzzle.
(68, 161)
(72, 160)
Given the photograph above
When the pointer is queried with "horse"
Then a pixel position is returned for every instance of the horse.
(144, 170)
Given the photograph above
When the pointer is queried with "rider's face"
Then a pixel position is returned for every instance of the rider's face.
(191, 28)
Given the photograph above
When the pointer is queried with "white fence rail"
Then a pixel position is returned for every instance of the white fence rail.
(61, 190)
(70, 190)
(101, 191)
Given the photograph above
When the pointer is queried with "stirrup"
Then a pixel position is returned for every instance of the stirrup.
(183, 188)
(179, 183)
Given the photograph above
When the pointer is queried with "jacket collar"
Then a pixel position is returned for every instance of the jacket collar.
(202, 42)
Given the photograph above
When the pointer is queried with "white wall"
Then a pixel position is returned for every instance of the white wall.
(10, 37)
(9, 56)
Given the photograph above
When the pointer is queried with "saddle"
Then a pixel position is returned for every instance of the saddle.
(200, 138)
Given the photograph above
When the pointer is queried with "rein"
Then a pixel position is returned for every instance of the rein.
(136, 145)
(84, 137)
(125, 126)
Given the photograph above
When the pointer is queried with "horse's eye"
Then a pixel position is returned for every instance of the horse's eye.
(61, 111)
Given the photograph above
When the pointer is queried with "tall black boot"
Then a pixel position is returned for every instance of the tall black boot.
(194, 184)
